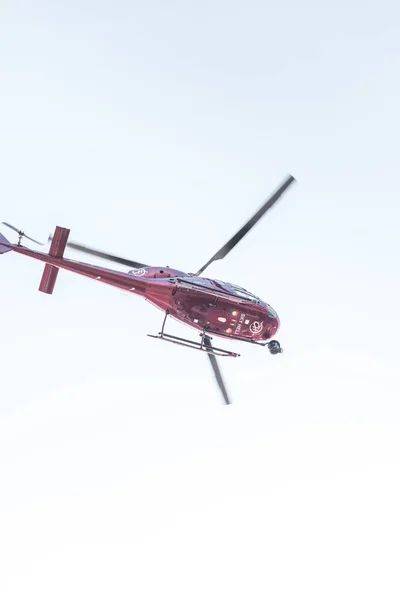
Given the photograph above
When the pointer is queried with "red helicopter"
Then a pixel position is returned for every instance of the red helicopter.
(211, 306)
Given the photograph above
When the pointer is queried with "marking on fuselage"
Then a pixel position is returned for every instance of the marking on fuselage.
(139, 272)
(256, 326)
(239, 325)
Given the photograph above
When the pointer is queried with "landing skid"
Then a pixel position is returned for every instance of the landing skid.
(202, 346)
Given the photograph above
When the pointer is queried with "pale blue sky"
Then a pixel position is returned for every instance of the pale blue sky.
(155, 131)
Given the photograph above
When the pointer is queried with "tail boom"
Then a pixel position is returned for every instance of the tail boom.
(55, 261)
(118, 279)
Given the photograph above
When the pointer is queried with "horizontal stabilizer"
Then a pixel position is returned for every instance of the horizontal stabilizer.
(50, 273)
(49, 279)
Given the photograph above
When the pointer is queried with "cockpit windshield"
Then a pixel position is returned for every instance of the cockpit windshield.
(224, 287)
(237, 290)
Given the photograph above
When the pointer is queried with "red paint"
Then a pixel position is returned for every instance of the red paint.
(49, 279)
(59, 242)
(196, 301)
(57, 249)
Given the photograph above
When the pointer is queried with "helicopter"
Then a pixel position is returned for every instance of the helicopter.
(212, 307)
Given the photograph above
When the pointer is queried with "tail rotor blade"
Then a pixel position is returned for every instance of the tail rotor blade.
(11, 227)
(32, 240)
(22, 234)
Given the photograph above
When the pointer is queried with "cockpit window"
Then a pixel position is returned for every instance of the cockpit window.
(272, 312)
(238, 291)
(225, 287)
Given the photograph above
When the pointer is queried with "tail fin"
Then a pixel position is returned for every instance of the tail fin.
(4, 248)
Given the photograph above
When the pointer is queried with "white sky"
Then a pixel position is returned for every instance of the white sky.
(155, 131)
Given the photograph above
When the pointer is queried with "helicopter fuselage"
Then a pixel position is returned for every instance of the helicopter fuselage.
(218, 307)
(221, 308)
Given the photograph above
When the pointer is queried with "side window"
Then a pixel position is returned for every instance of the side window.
(221, 285)
(241, 292)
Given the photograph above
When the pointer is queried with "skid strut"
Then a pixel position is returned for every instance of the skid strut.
(173, 339)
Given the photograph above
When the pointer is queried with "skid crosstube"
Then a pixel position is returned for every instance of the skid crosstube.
(192, 344)
(173, 339)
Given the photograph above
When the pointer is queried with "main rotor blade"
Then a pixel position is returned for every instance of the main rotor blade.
(21, 233)
(217, 372)
(250, 223)
(105, 255)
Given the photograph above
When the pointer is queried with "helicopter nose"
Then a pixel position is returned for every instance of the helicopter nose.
(272, 327)
(272, 324)
(269, 331)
